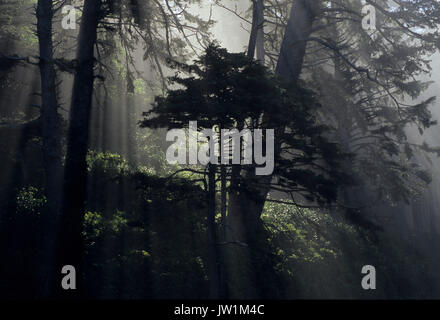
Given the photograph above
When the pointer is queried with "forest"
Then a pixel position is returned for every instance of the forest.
(219, 149)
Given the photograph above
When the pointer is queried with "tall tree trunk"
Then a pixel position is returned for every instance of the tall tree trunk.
(224, 225)
(238, 264)
(256, 43)
(293, 46)
(245, 208)
(256, 38)
(70, 241)
(51, 134)
(289, 66)
(213, 267)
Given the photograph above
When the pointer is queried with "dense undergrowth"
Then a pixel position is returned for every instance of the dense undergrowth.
(145, 237)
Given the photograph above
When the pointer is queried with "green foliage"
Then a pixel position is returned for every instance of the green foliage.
(131, 250)
(151, 151)
(30, 200)
(14, 18)
(145, 237)
(144, 234)
(161, 28)
(109, 164)
(320, 255)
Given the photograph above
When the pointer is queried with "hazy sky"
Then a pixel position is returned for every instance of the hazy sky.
(229, 29)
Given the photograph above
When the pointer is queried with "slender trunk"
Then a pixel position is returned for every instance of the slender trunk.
(223, 200)
(234, 196)
(222, 251)
(254, 30)
(212, 238)
(70, 240)
(256, 38)
(223, 197)
(289, 66)
(51, 135)
(238, 261)
(260, 32)
(245, 207)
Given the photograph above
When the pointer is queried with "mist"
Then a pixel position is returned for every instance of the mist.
(92, 206)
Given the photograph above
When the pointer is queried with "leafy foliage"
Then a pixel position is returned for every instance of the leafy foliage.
(320, 255)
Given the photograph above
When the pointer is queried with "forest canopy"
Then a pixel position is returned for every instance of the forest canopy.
(330, 164)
